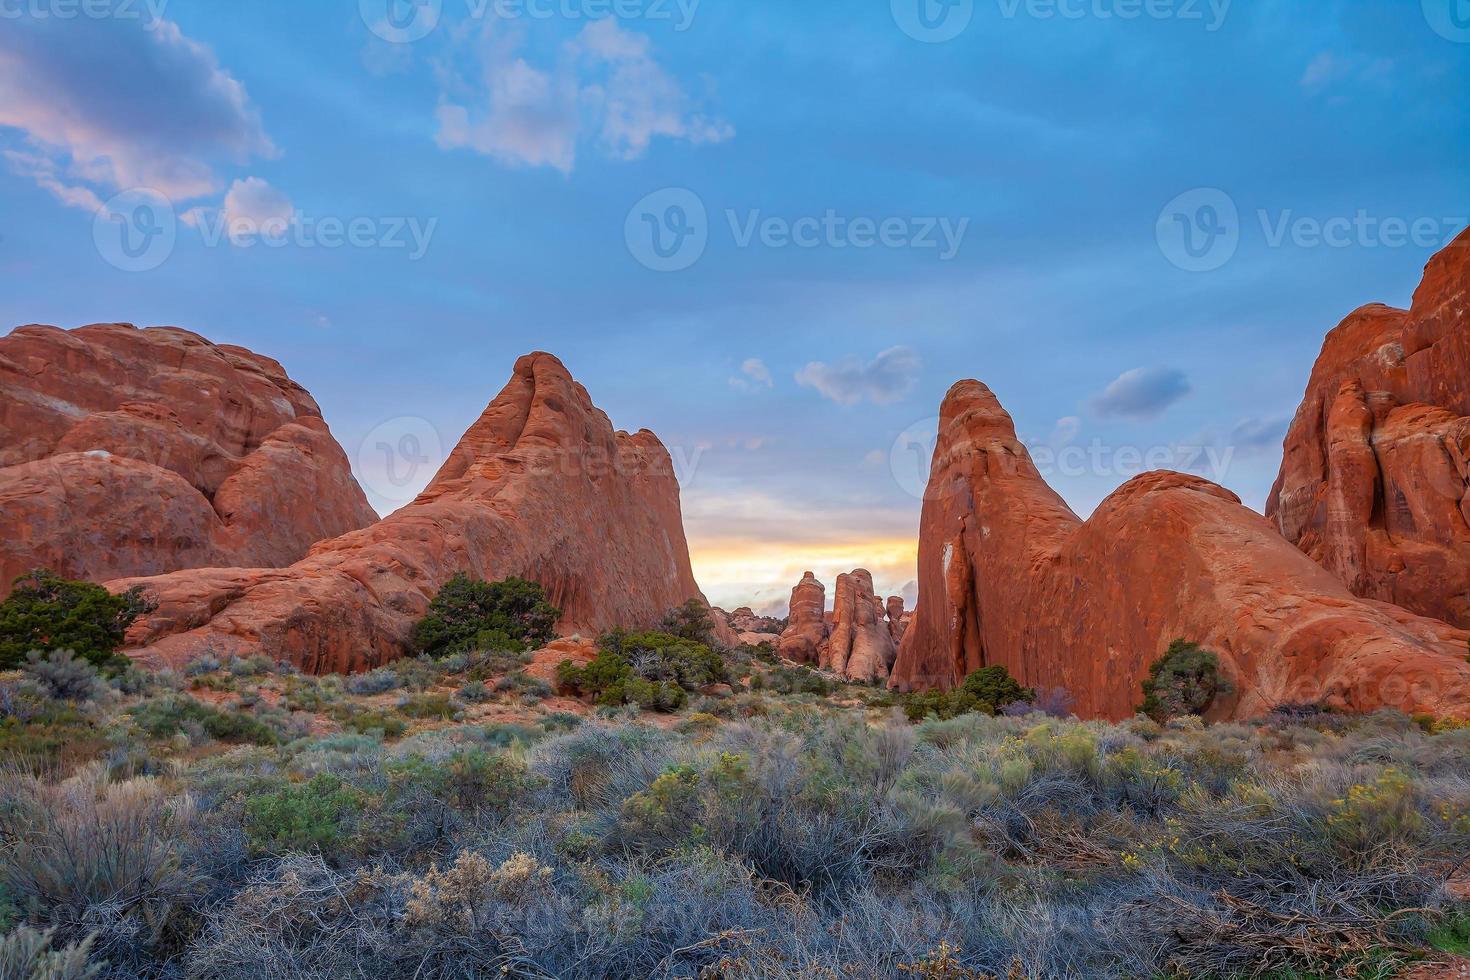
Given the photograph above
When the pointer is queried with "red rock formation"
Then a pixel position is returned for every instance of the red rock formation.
(1375, 484)
(540, 487)
(1009, 575)
(133, 452)
(897, 619)
(806, 629)
(860, 647)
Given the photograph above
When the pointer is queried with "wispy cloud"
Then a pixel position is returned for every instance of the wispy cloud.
(105, 104)
(754, 376)
(1142, 393)
(883, 380)
(605, 86)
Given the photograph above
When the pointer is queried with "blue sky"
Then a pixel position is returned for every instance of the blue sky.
(858, 203)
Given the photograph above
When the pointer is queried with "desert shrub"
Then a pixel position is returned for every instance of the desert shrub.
(652, 670)
(793, 680)
(366, 721)
(88, 856)
(379, 681)
(470, 780)
(1186, 680)
(315, 817)
(20, 702)
(519, 682)
(46, 612)
(205, 663)
(469, 615)
(1054, 702)
(692, 621)
(26, 954)
(61, 676)
(664, 812)
(475, 692)
(986, 691)
(428, 707)
(169, 715)
(254, 666)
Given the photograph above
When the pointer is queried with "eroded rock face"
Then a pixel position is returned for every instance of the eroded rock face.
(1009, 575)
(854, 640)
(1375, 483)
(744, 620)
(898, 620)
(540, 487)
(860, 647)
(133, 452)
(806, 629)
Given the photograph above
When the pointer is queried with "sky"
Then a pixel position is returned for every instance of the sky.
(773, 233)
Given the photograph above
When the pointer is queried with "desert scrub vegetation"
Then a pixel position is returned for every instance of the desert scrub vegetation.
(796, 835)
(472, 615)
(1186, 680)
(655, 671)
(46, 613)
(986, 691)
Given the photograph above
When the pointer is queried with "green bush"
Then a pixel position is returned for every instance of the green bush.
(470, 615)
(365, 721)
(167, 716)
(1186, 680)
(428, 707)
(652, 670)
(46, 613)
(984, 692)
(314, 816)
(470, 779)
(691, 621)
(793, 680)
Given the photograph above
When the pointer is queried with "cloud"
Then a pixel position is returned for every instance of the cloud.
(1323, 70)
(111, 103)
(605, 83)
(875, 458)
(885, 379)
(755, 376)
(253, 206)
(1064, 432)
(1141, 393)
(1256, 435)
